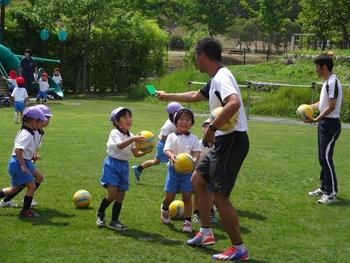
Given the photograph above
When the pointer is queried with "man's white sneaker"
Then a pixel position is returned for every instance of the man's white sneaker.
(327, 199)
(10, 203)
(317, 192)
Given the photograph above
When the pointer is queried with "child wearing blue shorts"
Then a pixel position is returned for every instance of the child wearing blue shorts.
(115, 171)
(167, 128)
(20, 96)
(43, 88)
(181, 141)
(20, 166)
(38, 175)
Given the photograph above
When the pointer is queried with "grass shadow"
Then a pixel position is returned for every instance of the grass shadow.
(46, 217)
(219, 226)
(149, 237)
(341, 202)
(251, 215)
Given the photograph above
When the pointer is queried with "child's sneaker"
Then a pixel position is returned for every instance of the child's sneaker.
(327, 199)
(164, 216)
(213, 218)
(187, 227)
(317, 192)
(118, 226)
(196, 218)
(34, 203)
(10, 203)
(28, 214)
(137, 173)
(100, 220)
(232, 253)
(201, 240)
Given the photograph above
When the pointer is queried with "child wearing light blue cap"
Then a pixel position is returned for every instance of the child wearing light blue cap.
(39, 177)
(115, 171)
(20, 166)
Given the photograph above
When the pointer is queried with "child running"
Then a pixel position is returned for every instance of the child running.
(115, 171)
(167, 128)
(181, 141)
(39, 177)
(20, 96)
(20, 166)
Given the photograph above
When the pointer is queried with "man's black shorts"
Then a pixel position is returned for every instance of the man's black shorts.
(222, 163)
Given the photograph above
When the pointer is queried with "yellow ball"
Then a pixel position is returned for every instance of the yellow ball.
(228, 125)
(149, 144)
(82, 199)
(305, 112)
(176, 209)
(184, 163)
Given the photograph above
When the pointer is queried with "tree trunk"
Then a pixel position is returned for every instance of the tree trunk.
(345, 37)
(85, 61)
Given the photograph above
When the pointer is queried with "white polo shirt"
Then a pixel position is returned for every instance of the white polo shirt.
(182, 143)
(19, 94)
(57, 79)
(331, 89)
(43, 85)
(224, 83)
(38, 136)
(25, 140)
(168, 127)
(116, 137)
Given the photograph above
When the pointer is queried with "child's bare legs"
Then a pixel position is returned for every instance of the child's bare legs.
(164, 210)
(186, 198)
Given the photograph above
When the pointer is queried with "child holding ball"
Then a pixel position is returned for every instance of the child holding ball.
(168, 127)
(115, 171)
(181, 141)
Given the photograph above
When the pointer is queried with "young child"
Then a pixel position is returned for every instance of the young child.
(115, 171)
(168, 127)
(43, 88)
(39, 177)
(20, 166)
(57, 77)
(12, 80)
(205, 150)
(181, 141)
(20, 96)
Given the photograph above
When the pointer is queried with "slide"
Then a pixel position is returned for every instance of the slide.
(11, 61)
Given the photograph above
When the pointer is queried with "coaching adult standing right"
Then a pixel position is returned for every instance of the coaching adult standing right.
(220, 167)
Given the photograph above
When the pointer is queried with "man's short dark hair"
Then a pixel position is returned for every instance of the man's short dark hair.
(322, 60)
(210, 47)
(28, 51)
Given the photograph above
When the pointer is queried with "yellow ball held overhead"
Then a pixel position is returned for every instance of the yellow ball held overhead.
(228, 125)
(184, 163)
(176, 209)
(305, 112)
(149, 144)
(82, 199)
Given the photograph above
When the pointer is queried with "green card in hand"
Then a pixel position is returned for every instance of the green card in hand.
(151, 89)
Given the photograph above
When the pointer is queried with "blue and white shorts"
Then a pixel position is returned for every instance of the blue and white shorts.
(19, 106)
(176, 183)
(115, 173)
(18, 177)
(160, 153)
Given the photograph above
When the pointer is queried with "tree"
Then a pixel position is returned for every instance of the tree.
(326, 18)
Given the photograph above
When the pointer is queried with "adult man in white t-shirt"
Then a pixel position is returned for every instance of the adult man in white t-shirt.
(220, 167)
(329, 128)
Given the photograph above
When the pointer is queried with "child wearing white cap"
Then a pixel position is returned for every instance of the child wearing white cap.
(20, 166)
(115, 171)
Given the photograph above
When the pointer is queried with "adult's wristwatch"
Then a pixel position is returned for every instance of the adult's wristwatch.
(212, 127)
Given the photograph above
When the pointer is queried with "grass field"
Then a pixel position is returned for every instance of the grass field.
(279, 222)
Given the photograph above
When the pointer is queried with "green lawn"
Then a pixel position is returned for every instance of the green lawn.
(279, 222)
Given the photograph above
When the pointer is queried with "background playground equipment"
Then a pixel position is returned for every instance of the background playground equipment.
(8, 61)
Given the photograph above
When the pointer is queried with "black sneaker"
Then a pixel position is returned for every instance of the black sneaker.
(100, 220)
(117, 226)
